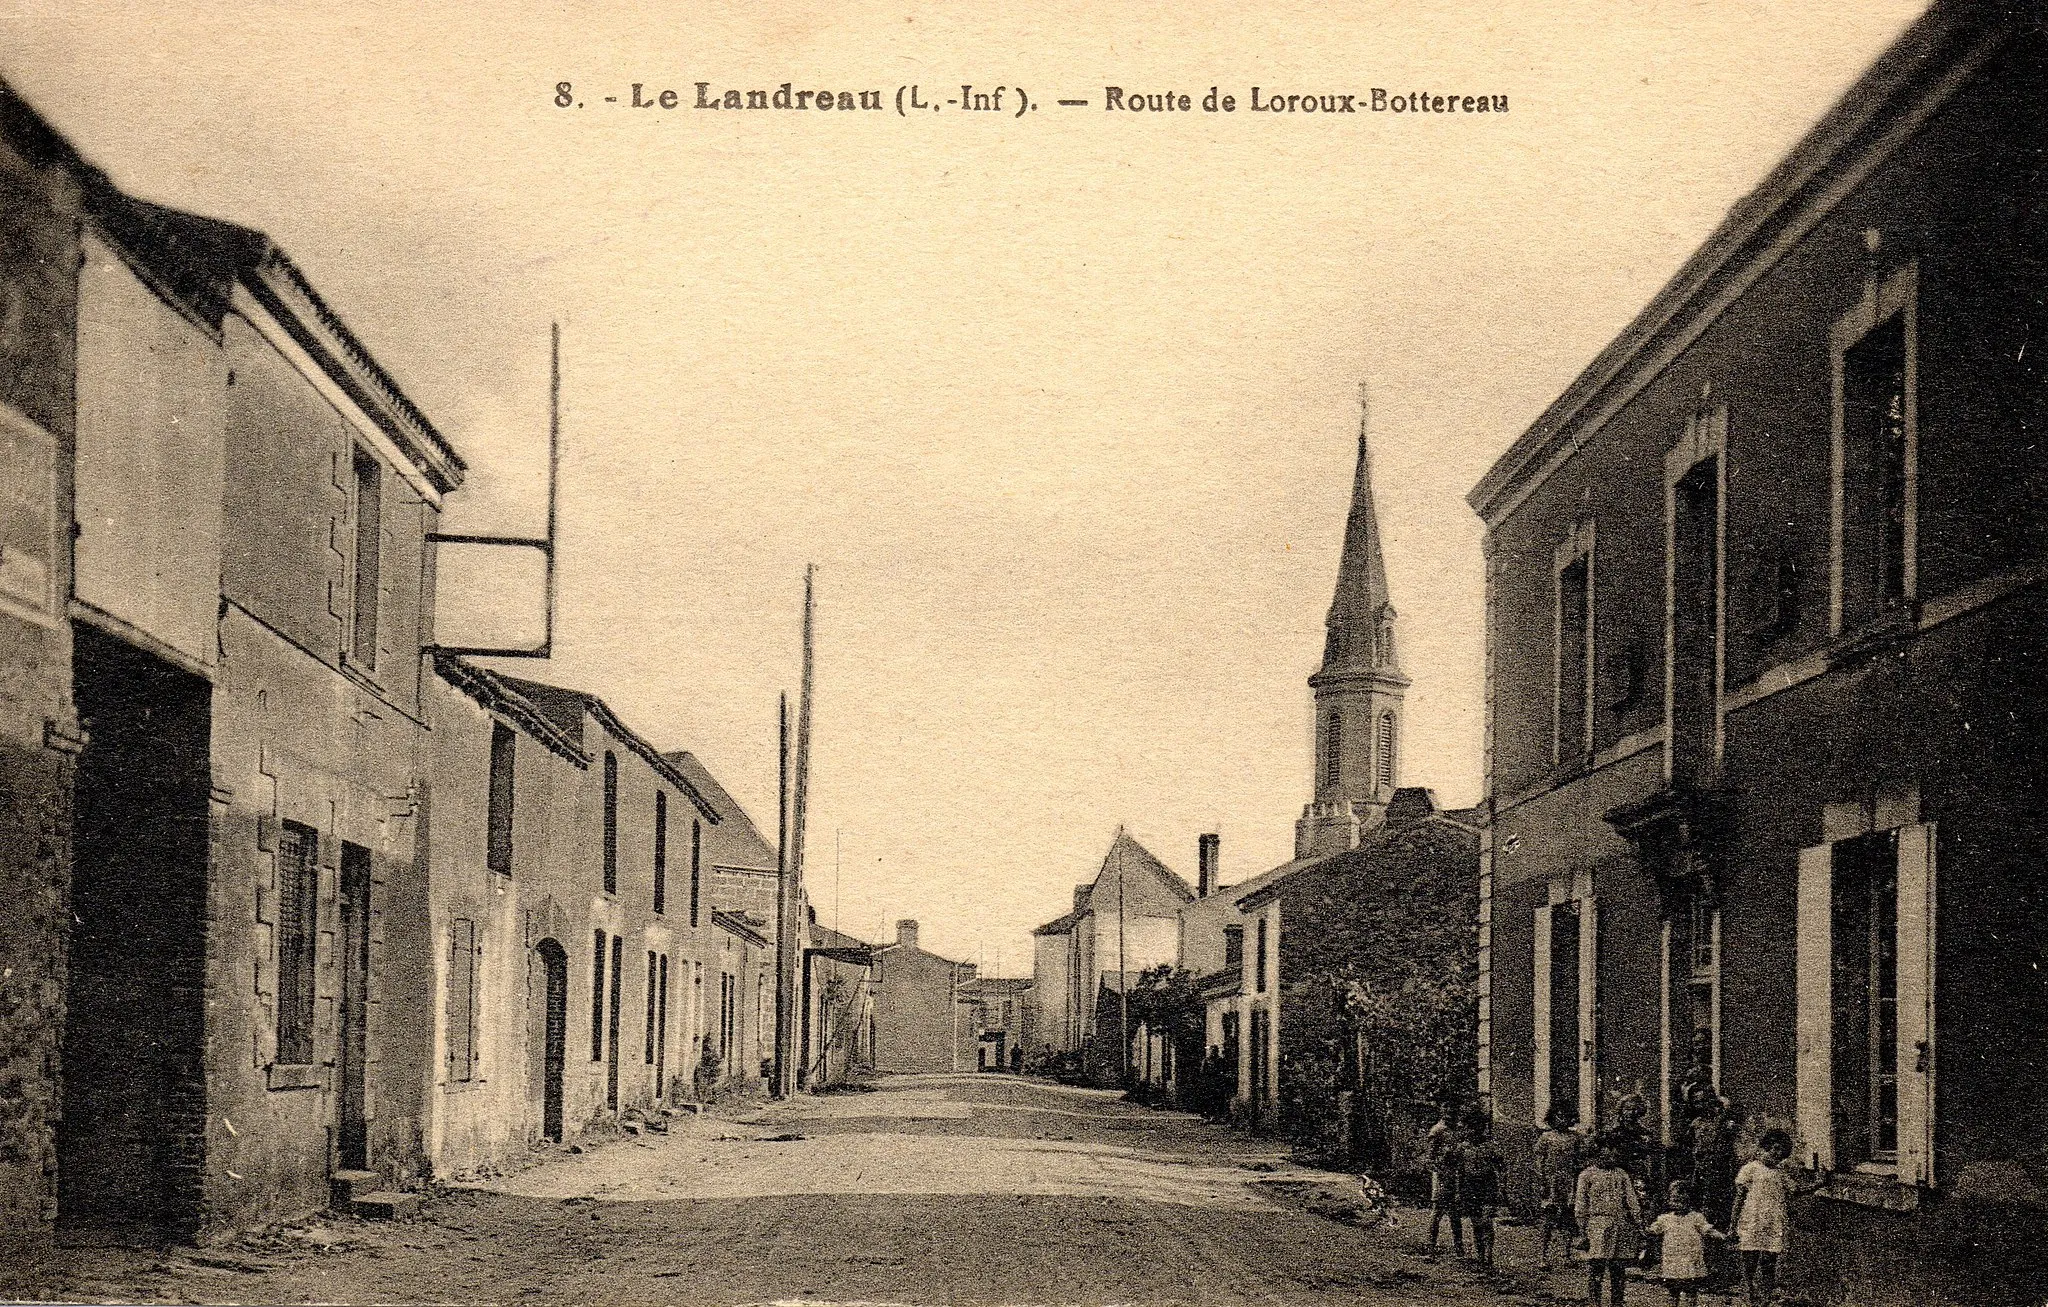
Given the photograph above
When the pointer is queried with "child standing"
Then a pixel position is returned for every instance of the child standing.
(1682, 1235)
(1478, 1167)
(1763, 1190)
(1558, 1161)
(1609, 1217)
(1443, 1141)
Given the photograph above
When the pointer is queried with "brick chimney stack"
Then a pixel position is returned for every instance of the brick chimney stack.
(1207, 850)
(906, 933)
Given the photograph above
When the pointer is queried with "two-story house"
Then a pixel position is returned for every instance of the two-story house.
(1765, 628)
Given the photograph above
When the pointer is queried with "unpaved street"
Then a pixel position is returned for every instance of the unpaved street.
(945, 1189)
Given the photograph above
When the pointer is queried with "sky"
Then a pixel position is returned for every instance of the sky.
(1062, 404)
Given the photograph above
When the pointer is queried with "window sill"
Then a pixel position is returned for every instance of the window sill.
(1871, 1185)
(280, 1075)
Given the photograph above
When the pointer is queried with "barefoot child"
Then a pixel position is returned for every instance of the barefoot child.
(1609, 1217)
(1682, 1235)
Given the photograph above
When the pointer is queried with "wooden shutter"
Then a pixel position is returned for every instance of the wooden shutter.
(1540, 992)
(461, 999)
(1815, 1022)
(1916, 1003)
(1589, 1008)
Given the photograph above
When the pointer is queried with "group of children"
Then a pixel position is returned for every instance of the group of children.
(1596, 1211)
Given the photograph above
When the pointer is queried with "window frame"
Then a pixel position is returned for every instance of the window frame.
(1705, 437)
(297, 938)
(1579, 545)
(501, 802)
(365, 559)
(1897, 295)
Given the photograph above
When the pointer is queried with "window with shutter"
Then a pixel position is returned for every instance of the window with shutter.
(298, 892)
(461, 1007)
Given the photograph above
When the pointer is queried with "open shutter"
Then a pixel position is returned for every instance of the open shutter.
(1540, 990)
(1589, 1008)
(1815, 1023)
(1916, 1004)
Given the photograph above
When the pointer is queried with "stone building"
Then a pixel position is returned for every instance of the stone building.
(1765, 633)
(223, 568)
(664, 971)
(42, 187)
(1362, 966)
(1126, 920)
(918, 1021)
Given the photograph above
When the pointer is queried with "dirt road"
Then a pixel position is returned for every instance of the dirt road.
(945, 1189)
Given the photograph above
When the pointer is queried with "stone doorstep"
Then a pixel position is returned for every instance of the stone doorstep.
(386, 1205)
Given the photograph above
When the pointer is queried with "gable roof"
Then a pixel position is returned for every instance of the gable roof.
(1065, 925)
(1128, 857)
(738, 826)
(566, 708)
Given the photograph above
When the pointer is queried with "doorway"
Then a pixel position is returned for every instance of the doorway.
(352, 1076)
(554, 962)
(131, 1137)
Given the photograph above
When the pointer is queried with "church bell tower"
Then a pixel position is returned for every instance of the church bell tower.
(1358, 690)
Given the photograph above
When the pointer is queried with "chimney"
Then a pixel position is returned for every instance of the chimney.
(1080, 897)
(906, 933)
(1206, 852)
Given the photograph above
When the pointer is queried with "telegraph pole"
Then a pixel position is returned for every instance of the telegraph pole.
(789, 942)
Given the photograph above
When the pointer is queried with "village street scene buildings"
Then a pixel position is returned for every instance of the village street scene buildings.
(315, 923)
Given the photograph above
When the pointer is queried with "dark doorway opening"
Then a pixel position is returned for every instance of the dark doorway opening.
(352, 1134)
(131, 1141)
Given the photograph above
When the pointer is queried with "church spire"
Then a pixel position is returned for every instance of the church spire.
(1360, 627)
(1358, 690)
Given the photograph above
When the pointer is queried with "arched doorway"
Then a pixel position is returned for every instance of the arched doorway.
(555, 1038)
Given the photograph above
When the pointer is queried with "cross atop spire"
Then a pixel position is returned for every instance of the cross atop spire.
(1360, 624)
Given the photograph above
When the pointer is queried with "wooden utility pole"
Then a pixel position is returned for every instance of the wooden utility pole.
(790, 883)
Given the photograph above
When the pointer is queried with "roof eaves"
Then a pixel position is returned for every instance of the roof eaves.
(1925, 61)
(490, 692)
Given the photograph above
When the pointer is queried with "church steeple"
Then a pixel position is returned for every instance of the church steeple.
(1359, 627)
(1359, 689)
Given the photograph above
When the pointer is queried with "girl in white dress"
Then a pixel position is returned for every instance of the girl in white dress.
(1682, 1235)
(1763, 1191)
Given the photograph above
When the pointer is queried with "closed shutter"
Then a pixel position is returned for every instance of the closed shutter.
(1815, 1022)
(1540, 991)
(1916, 1003)
(1589, 1008)
(461, 999)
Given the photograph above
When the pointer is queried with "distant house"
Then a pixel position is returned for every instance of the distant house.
(996, 1020)
(1124, 921)
(918, 1021)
